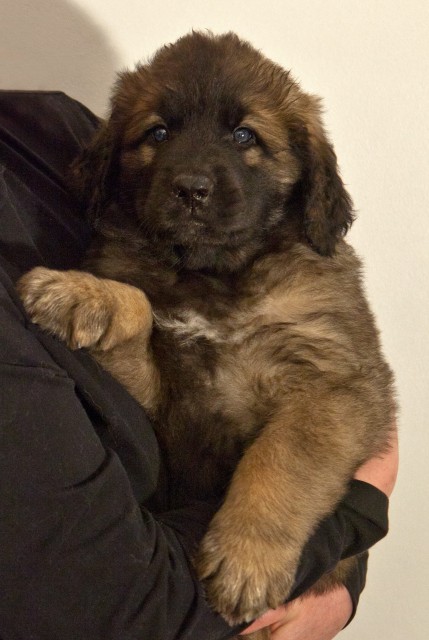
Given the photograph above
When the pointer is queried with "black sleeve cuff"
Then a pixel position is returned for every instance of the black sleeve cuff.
(359, 521)
(365, 514)
(355, 582)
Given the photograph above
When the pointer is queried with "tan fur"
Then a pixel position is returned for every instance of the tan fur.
(253, 157)
(147, 155)
(264, 372)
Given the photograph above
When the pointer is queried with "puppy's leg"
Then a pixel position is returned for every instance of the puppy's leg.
(83, 310)
(112, 319)
(287, 481)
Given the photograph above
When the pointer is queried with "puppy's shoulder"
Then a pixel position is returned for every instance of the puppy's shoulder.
(300, 267)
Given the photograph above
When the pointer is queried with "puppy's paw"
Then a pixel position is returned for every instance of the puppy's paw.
(244, 572)
(83, 310)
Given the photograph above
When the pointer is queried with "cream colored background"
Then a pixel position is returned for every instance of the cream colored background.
(369, 59)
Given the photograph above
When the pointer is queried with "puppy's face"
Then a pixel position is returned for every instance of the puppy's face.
(214, 151)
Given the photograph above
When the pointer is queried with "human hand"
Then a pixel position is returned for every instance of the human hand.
(311, 617)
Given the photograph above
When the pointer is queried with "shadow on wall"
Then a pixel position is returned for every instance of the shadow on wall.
(53, 45)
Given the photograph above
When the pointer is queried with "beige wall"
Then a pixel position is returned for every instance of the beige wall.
(369, 59)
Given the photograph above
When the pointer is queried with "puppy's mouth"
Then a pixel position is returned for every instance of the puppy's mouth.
(197, 246)
(203, 256)
(195, 231)
(193, 223)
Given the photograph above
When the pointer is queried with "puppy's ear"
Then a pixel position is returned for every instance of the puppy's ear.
(328, 209)
(93, 173)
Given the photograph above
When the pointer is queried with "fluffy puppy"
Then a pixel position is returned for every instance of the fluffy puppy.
(223, 296)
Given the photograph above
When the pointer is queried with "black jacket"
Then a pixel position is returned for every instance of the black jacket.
(82, 555)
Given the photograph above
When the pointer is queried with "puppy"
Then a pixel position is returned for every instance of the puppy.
(220, 292)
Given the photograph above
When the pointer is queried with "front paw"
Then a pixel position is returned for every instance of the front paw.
(244, 570)
(83, 310)
(65, 304)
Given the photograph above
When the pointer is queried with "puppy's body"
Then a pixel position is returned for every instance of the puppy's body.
(233, 351)
(216, 193)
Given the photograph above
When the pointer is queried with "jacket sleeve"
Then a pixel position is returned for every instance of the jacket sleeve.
(359, 521)
(79, 558)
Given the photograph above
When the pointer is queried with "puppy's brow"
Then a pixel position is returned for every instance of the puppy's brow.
(152, 120)
(139, 127)
(267, 128)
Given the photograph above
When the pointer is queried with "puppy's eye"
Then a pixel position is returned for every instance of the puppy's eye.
(159, 134)
(244, 136)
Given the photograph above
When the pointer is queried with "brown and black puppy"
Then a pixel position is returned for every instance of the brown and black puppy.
(214, 190)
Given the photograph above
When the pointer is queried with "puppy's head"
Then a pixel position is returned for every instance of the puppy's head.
(214, 151)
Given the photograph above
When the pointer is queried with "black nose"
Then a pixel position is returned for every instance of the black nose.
(192, 187)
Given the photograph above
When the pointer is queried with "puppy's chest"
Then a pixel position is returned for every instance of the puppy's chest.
(213, 368)
(188, 327)
(191, 346)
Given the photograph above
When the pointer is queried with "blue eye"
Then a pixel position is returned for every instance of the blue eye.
(159, 134)
(243, 135)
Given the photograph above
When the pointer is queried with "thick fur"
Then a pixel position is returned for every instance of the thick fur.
(262, 369)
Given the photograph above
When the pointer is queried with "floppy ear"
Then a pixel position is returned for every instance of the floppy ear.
(93, 173)
(328, 209)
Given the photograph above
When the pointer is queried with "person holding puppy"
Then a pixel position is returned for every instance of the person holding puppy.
(88, 547)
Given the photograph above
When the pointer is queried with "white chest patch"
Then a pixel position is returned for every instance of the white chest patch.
(189, 326)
